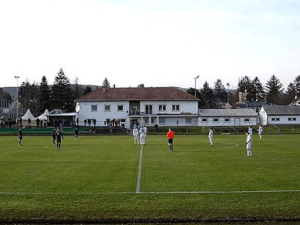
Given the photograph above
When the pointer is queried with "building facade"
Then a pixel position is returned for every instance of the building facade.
(227, 117)
(279, 115)
(162, 106)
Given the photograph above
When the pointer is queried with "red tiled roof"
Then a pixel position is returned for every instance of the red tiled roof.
(137, 94)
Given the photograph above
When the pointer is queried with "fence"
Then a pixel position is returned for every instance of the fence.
(195, 130)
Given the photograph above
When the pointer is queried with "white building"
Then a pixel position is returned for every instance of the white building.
(227, 117)
(164, 106)
(279, 115)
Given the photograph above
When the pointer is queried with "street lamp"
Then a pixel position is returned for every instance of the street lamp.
(17, 77)
(195, 83)
(228, 93)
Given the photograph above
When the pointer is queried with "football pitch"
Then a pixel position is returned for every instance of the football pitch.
(108, 178)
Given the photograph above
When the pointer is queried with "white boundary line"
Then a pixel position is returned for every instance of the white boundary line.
(219, 192)
(138, 185)
(153, 192)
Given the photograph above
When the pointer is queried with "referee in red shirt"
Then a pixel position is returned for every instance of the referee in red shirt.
(170, 136)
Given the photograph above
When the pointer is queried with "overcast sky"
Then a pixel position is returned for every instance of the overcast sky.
(153, 42)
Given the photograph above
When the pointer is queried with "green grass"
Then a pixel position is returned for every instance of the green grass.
(96, 177)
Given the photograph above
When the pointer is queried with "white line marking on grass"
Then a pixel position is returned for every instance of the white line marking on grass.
(153, 192)
(138, 185)
(219, 192)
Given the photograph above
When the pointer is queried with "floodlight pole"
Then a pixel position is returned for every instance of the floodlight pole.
(17, 77)
(195, 83)
(228, 92)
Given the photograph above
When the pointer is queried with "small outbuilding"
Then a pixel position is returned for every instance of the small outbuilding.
(227, 117)
(279, 115)
(58, 118)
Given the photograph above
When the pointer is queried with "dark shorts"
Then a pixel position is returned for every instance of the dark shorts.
(170, 141)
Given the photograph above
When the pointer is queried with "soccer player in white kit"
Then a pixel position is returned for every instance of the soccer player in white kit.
(135, 133)
(250, 130)
(142, 140)
(260, 131)
(143, 130)
(249, 144)
(211, 136)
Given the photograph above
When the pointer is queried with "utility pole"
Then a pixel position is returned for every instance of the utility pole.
(195, 83)
(17, 77)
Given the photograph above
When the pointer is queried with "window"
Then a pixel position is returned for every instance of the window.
(120, 107)
(291, 119)
(161, 120)
(94, 108)
(188, 120)
(175, 107)
(247, 120)
(216, 120)
(227, 120)
(277, 119)
(107, 108)
(162, 107)
(204, 120)
(148, 109)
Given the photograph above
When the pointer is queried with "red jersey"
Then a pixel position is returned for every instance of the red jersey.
(170, 134)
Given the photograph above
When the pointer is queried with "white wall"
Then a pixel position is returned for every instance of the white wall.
(184, 106)
(233, 121)
(284, 120)
(101, 114)
(85, 112)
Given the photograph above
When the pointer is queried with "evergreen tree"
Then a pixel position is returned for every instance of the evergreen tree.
(29, 93)
(105, 83)
(297, 85)
(206, 96)
(274, 90)
(87, 90)
(191, 91)
(5, 98)
(291, 92)
(220, 93)
(244, 84)
(256, 91)
(43, 96)
(62, 93)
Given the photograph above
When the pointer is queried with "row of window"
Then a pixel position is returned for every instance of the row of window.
(94, 108)
(164, 107)
(226, 120)
(161, 108)
(289, 119)
(162, 121)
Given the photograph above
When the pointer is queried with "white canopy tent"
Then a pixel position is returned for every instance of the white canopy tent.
(28, 115)
(44, 115)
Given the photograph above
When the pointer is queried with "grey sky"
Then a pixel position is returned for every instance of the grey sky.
(157, 42)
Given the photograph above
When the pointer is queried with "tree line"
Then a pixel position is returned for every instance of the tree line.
(61, 94)
(251, 90)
